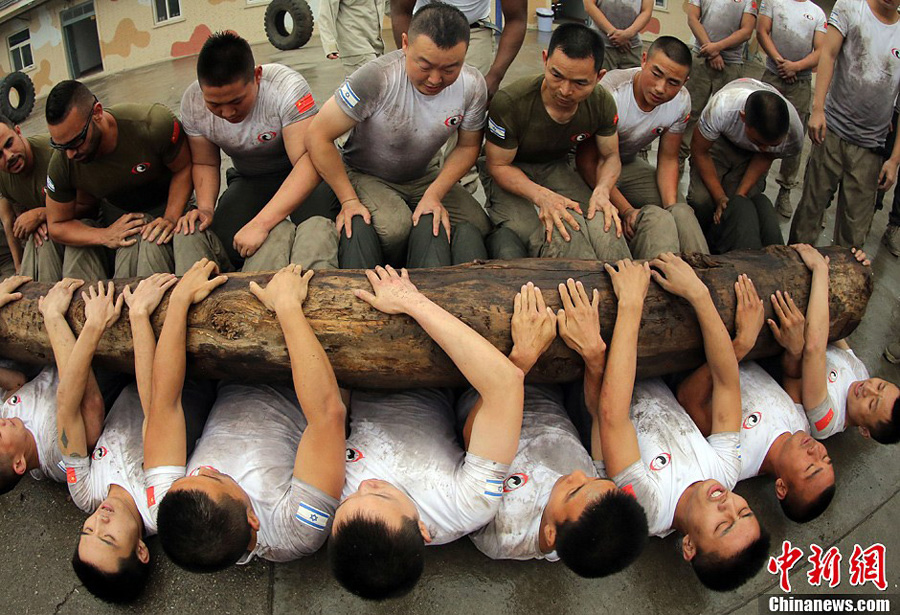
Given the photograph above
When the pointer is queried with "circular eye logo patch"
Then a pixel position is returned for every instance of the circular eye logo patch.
(896, 53)
(453, 120)
(581, 136)
(660, 461)
(514, 482)
(15, 400)
(140, 167)
(354, 454)
(808, 16)
(658, 130)
(99, 453)
(752, 420)
(832, 376)
(266, 136)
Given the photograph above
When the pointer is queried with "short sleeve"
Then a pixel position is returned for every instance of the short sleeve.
(359, 96)
(751, 7)
(298, 103)
(476, 102)
(608, 117)
(644, 487)
(727, 446)
(59, 183)
(821, 22)
(694, 3)
(304, 519)
(78, 480)
(165, 133)
(600, 468)
(478, 491)
(842, 16)
(823, 420)
(709, 123)
(157, 482)
(189, 110)
(501, 126)
(765, 8)
(684, 114)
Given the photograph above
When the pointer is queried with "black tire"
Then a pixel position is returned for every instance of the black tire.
(276, 31)
(21, 83)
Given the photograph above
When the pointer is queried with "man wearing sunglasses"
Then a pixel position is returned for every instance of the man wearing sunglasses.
(131, 158)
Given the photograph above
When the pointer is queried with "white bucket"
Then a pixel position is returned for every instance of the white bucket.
(545, 20)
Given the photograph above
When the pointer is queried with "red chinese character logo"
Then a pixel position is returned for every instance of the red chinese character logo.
(826, 567)
(784, 562)
(868, 565)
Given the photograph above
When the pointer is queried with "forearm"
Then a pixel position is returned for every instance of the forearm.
(817, 313)
(824, 73)
(457, 164)
(738, 37)
(206, 186)
(717, 344)
(513, 180)
(895, 152)
(592, 385)
(667, 180)
(608, 170)
(598, 17)
(768, 45)
(707, 170)
(169, 360)
(327, 160)
(621, 364)
(810, 61)
(508, 46)
(314, 380)
(15, 248)
(619, 201)
(180, 188)
(295, 189)
(75, 375)
(758, 168)
(640, 22)
(144, 342)
(792, 365)
(76, 233)
(400, 18)
(482, 365)
(698, 30)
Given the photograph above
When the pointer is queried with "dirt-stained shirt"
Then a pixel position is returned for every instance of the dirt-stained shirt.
(794, 27)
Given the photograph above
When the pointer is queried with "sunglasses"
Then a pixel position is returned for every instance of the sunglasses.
(78, 141)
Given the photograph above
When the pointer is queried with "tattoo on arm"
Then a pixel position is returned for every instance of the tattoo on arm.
(64, 440)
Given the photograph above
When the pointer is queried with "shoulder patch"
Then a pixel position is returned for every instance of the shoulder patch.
(306, 103)
(313, 517)
(50, 184)
(496, 129)
(176, 130)
(823, 422)
(493, 487)
(348, 95)
(151, 496)
(71, 478)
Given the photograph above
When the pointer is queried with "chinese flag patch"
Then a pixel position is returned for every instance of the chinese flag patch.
(629, 490)
(305, 104)
(151, 496)
(616, 120)
(70, 476)
(176, 131)
(823, 422)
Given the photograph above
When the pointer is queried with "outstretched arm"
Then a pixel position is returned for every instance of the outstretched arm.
(814, 367)
(677, 277)
(617, 436)
(695, 393)
(579, 327)
(100, 312)
(495, 433)
(320, 454)
(165, 433)
(53, 306)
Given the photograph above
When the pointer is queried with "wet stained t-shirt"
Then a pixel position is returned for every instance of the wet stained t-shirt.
(794, 26)
(721, 19)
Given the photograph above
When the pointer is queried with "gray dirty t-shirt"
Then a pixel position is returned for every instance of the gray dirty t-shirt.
(548, 449)
(255, 145)
(621, 14)
(674, 455)
(400, 129)
(794, 26)
(409, 439)
(866, 75)
(722, 118)
(721, 19)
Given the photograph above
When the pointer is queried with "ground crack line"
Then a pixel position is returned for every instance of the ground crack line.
(66, 599)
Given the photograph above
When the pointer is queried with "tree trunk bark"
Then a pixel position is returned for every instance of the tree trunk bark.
(231, 335)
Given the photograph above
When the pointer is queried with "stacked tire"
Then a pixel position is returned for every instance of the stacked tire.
(276, 24)
(24, 89)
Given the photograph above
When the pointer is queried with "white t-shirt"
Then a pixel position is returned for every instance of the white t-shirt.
(256, 145)
(794, 26)
(721, 19)
(866, 75)
(638, 128)
(400, 129)
(408, 439)
(252, 435)
(722, 118)
(548, 449)
(767, 412)
(117, 459)
(35, 404)
(830, 417)
(621, 14)
(674, 455)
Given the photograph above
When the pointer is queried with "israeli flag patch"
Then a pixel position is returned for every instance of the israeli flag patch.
(50, 184)
(498, 132)
(313, 517)
(348, 95)
(493, 488)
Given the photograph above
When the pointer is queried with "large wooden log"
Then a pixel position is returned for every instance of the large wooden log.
(231, 335)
